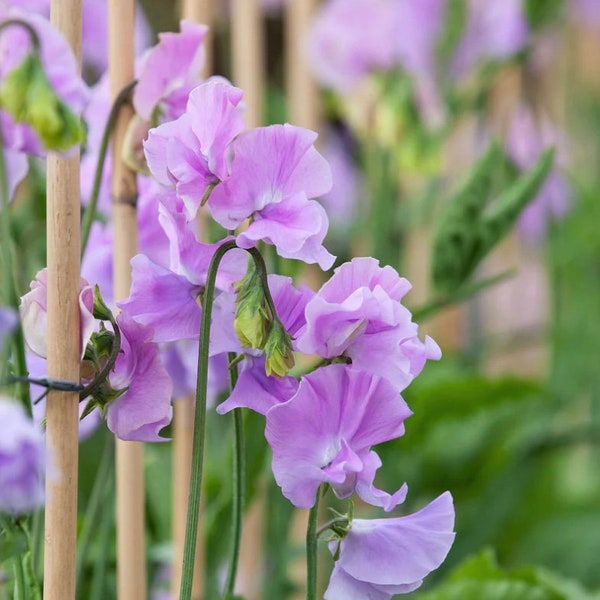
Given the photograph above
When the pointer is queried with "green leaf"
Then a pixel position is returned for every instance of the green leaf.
(487, 590)
(476, 218)
(13, 544)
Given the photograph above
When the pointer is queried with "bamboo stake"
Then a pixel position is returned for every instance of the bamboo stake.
(247, 49)
(302, 90)
(202, 11)
(183, 424)
(64, 353)
(131, 550)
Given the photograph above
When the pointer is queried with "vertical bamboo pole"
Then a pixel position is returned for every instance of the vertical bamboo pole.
(203, 11)
(248, 70)
(62, 412)
(131, 551)
(302, 90)
(183, 429)
(247, 51)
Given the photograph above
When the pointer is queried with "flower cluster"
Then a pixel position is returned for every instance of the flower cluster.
(261, 188)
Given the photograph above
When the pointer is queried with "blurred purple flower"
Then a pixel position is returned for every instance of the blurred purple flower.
(357, 314)
(495, 30)
(94, 37)
(380, 558)
(8, 320)
(526, 139)
(59, 65)
(324, 434)
(349, 39)
(145, 408)
(341, 202)
(274, 175)
(586, 11)
(22, 460)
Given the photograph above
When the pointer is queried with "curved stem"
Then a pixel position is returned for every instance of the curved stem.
(189, 548)
(33, 34)
(311, 550)
(90, 212)
(238, 485)
(261, 267)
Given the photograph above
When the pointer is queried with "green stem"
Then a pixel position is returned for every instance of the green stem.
(189, 548)
(96, 503)
(19, 589)
(99, 571)
(90, 212)
(238, 486)
(311, 550)
(9, 279)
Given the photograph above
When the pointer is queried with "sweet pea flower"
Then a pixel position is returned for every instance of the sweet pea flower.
(349, 39)
(357, 314)
(145, 407)
(380, 558)
(324, 434)
(275, 173)
(22, 460)
(189, 154)
(165, 298)
(59, 67)
(94, 24)
(33, 309)
(495, 30)
(168, 73)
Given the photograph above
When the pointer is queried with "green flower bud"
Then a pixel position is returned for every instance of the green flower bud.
(279, 351)
(252, 320)
(28, 96)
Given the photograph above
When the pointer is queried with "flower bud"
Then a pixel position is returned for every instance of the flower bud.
(28, 96)
(251, 315)
(278, 348)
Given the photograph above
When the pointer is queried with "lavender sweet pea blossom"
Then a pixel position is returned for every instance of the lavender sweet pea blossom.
(169, 71)
(34, 315)
(165, 298)
(380, 558)
(145, 408)
(22, 460)
(324, 434)
(350, 39)
(189, 154)
(496, 30)
(274, 174)
(357, 314)
(58, 63)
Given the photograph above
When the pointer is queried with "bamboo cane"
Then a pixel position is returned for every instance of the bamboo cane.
(302, 91)
(247, 49)
(131, 561)
(202, 11)
(62, 412)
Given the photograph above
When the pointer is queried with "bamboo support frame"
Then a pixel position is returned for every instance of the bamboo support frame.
(302, 91)
(131, 550)
(247, 51)
(64, 353)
